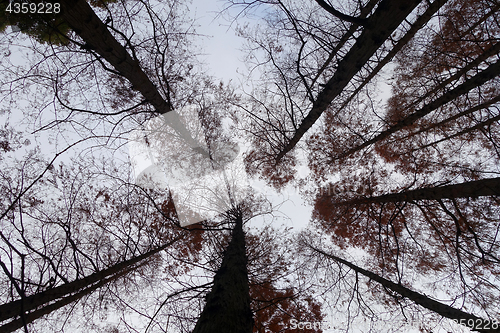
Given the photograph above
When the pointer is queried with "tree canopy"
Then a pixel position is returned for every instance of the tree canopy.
(381, 114)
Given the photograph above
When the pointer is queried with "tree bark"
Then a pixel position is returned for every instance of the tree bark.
(82, 19)
(14, 308)
(422, 300)
(473, 189)
(378, 27)
(489, 73)
(227, 307)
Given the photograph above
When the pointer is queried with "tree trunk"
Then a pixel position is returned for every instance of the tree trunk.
(378, 27)
(474, 189)
(365, 11)
(32, 316)
(444, 310)
(490, 52)
(227, 307)
(471, 110)
(465, 131)
(416, 26)
(82, 19)
(14, 308)
(489, 73)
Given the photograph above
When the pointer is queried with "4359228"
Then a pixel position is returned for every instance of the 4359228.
(33, 8)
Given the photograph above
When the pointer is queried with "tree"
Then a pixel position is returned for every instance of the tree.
(276, 303)
(488, 74)
(82, 19)
(228, 303)
(380, 26)
(99, 35)
(414, 182)
(277, 134)
(438, 230)
(32, 307)
(68, 253)
(425, 102)
(292, 70)
(422, 300)
(475, 189)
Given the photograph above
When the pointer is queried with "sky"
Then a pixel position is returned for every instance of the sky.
(224, 59)
(221, 48)
(221, 52)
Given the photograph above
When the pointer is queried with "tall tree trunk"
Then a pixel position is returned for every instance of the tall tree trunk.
(48, 308)
(471, 110)
(82, 19)
(422, 300)
(465, 131)
(490, 52)
(378, 27)
(364, 12)
(473, 189)
(416, 26)
(484, 76)
(227, 307)
(14, 308)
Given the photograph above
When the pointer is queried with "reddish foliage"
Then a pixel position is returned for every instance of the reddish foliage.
(275, 308)
(275, 305)
(264, 165)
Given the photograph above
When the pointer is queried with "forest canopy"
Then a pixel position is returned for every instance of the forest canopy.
(132, 178)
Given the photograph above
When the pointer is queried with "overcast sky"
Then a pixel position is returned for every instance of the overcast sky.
(224, 60)
(222, 47)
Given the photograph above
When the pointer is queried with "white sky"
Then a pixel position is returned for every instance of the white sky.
(224, 61)
(222, 48)
(224, 58)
